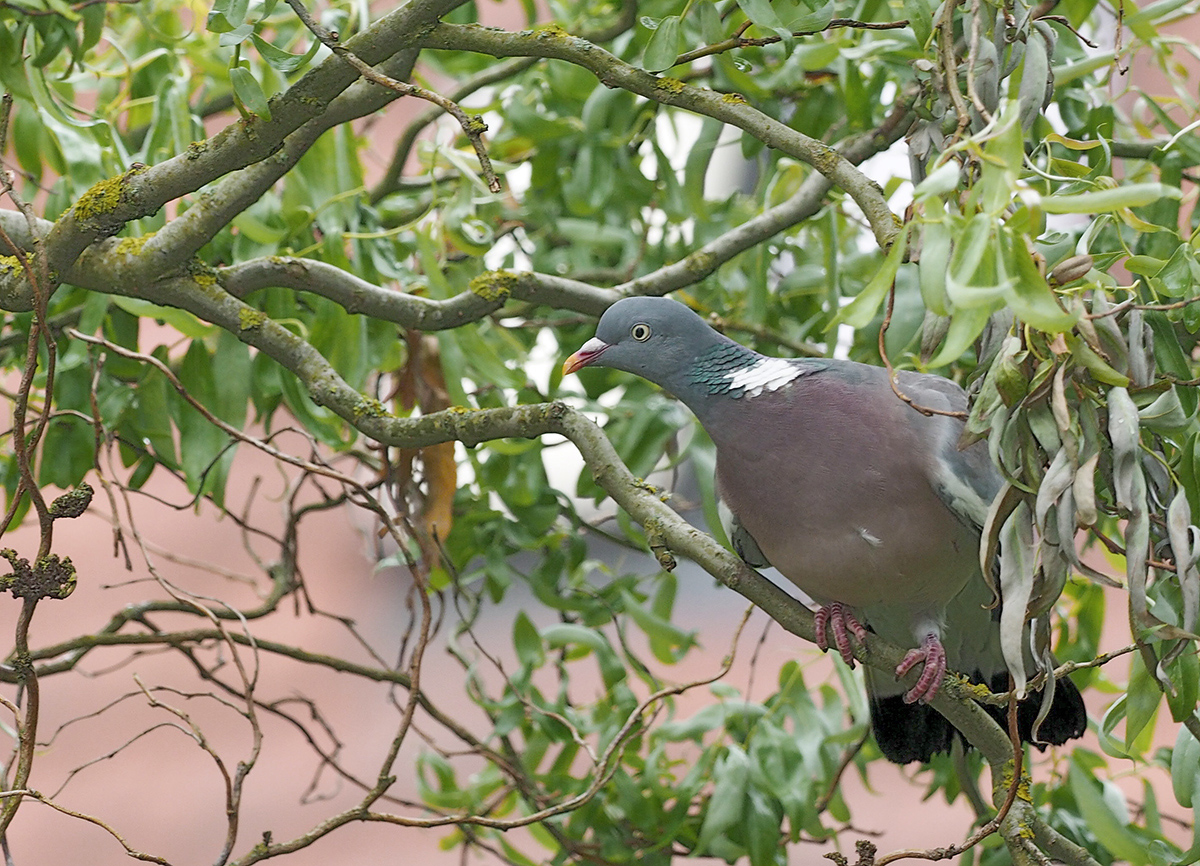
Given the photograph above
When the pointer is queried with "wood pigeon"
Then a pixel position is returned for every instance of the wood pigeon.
(865, 503)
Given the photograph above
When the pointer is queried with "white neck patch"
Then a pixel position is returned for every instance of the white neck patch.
(766, 374)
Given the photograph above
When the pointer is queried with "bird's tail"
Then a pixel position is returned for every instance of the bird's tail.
(916, 732)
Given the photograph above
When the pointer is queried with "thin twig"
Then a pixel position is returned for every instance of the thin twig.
(927, 411)
(972, 60)
(738, 41)
(945, 28)
(473, 126)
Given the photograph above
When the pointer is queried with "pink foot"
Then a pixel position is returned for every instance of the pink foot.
(842, 622)
(933, 655)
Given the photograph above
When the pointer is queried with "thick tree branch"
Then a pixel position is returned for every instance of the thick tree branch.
(141, 191)
(728, 108)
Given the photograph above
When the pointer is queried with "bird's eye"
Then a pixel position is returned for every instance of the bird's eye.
(640, 332)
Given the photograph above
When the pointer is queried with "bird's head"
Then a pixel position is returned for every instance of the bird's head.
(655, 338)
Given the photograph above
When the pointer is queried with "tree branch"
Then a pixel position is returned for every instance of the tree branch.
(729, 108)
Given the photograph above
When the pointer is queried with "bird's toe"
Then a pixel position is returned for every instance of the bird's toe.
(838, 619)
(933, 655)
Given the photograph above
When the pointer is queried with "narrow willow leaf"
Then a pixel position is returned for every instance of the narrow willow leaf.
(1179, 533)
(935, 259)
(860, 311)
(1144, 698)
(1085, 490)
(1137, 553)
(1109, 200)
(1030, 296)
(1016, 588)
(1105, 817)
(965, 326)
(1123, 428)
(1090, 359)
(1141, 349)
(1034, 78)
(527, 641)
(1185, 767)
(1165, 415)
(1055, 482)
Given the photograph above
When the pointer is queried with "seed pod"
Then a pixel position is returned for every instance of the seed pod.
(1069, 270)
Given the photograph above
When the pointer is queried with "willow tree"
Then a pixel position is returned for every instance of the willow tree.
(211, 251)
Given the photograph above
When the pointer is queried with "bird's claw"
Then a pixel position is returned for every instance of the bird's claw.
(933, 655)
(838, 618)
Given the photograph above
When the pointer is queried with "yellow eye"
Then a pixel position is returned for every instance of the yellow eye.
(640, 332)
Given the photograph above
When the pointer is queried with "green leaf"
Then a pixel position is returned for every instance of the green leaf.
(1101, 806)
(667, 641)
(249, 92)
(1087, 357)
(965, 326)
(200, 441)
(1185, 767)
(152, 418)
(977, 276)
(282, 61)
(920, 16)
(731, 776)
(527, 641)
(1108, 200)
(666, 43)
(865, 306)
(763, 14)
(232, 359)
(226, 15)
(181, 320)
(1030, 296)
(1141, 707)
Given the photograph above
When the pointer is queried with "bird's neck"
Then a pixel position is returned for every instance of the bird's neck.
(714, 369)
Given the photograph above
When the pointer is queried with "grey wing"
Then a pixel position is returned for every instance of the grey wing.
(965, 479)
(742, 541)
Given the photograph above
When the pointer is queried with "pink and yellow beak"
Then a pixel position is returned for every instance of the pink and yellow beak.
(587, 354)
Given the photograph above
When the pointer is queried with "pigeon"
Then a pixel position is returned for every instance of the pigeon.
(859, 498)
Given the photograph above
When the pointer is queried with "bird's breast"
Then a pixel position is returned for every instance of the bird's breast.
(846, 513)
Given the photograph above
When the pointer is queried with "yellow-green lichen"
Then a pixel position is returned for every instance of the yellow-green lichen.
(9, 263)
(824, 159)
(475, 125)
(702, 262)
(734, 98)
(104, 196)
(100, 199)
(494, 286)
(545, 30)
(250, 319)
(202, 273)
(369, 407)
(976, 690)
(195, 150)
(133, 246)
(670, 85)
(1006, 780)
